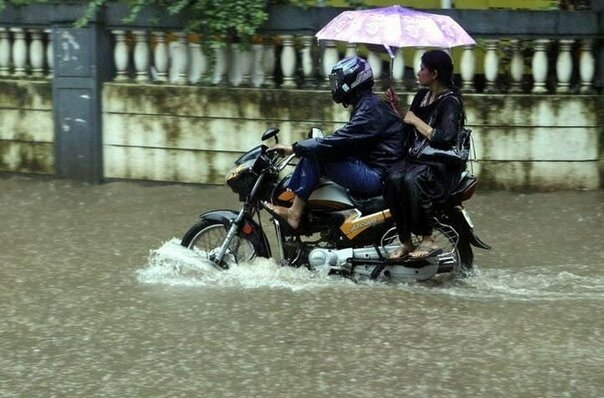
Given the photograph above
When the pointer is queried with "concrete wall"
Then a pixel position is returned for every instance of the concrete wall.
(193, 134)
(26, 127)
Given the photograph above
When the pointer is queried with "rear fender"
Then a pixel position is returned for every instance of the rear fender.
(250, 230)
(465, 230)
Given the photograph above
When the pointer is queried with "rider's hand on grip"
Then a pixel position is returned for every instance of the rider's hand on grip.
(281, 149)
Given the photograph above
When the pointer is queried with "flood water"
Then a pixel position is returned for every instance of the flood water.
(98, 299)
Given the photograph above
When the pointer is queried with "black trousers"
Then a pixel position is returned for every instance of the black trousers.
(411, 191)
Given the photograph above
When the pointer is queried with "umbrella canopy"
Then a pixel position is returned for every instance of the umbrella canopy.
(396, 26)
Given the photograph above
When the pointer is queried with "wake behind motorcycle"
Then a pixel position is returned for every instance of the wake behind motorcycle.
(339, 233)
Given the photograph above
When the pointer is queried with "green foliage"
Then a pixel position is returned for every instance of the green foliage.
(216, 19)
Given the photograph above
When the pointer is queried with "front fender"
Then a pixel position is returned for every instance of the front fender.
(250, 230)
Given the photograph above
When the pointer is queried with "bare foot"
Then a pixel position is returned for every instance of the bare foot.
(425, 249)
(402, 252)
(285, 213)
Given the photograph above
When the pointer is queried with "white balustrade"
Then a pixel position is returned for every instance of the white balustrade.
(467, 69)
(288, 61)
(351, 50)
(179, 59)
(307, 59)
(417, 63)
(120, 55)
(564, 66)
(398, 68)
(160, 57)
(375, 61)
(587, 67)
(540, 65)
(198, 65)
(141, 56)
(257, 65)
(234, 71)
(329, 59)
(220, 64)
(49, 53)
(491, 65)
(245, 63)
(516, 67)
(5, 52)
(270, 57)
(36, 53)
(19, 52)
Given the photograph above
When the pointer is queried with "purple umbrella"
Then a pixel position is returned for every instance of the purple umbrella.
(396, 26)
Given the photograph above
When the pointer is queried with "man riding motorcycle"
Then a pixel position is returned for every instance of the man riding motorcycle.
(356, 156)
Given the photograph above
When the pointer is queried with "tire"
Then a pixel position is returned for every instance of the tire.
(207, 236)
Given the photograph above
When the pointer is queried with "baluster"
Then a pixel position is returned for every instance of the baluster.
(398, 68)
(120, 55)
(5, 52)
(587, 67)
(245, 56)
(19, 52)
(491, 66)
(160, 57)
(288, 61)
(540, 65)
(233, 65)
(141, 56)
(220, 64)
(330, 58)
(36, 53)
(178, 70)
(564, 66)
(49, 53)
(307, 61)
(351, 50)
(199, 63)
(270, 58)
(257, 62)
(375, 61)
(516, 67)
(467, 69)
(417, 62)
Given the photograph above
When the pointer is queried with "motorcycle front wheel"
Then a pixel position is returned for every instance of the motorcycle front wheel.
(207, 236)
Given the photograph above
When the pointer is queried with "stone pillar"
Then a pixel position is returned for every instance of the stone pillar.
(329, 59)
(375, 61)
(245, 63)
(468, 69)
(417, 62)
(540, 65)
(564, 66)
(120, 55)
(19, 52)
(308, 67)
(178, 69)
(491, 66)
(351, 50)
(398, 68)
(220, 64)
(257, 64)
(516, 67)
(160, 57)
(288, 61)
(587, 66)
(5, 52)
(270, 58)
(49, 54)
(198, 64)
(36, 53)
(141, 56)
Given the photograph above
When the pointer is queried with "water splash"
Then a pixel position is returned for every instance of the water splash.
(173, 264)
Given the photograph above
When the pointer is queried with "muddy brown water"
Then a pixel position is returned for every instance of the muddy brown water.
(98, 299)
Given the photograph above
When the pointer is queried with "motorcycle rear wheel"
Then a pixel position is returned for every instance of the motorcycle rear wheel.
(206, 237)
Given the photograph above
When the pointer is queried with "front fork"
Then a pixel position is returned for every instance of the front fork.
(235, 226)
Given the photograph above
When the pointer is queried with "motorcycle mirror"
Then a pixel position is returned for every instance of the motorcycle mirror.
(269, 133)
(315, 133)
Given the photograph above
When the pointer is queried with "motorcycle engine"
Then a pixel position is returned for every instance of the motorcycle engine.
(325, 258)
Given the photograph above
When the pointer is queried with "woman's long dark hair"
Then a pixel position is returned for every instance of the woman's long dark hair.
(440, 61)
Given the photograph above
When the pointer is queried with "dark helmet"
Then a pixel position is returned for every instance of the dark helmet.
(348, 77)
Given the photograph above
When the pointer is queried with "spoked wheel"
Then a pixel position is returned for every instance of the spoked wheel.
(207, 236)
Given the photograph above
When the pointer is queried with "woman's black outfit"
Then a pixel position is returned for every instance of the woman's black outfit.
(415, 185)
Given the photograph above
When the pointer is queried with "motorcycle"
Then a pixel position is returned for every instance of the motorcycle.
(338, 234)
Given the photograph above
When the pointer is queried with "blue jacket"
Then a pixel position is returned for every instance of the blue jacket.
(374, 134)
